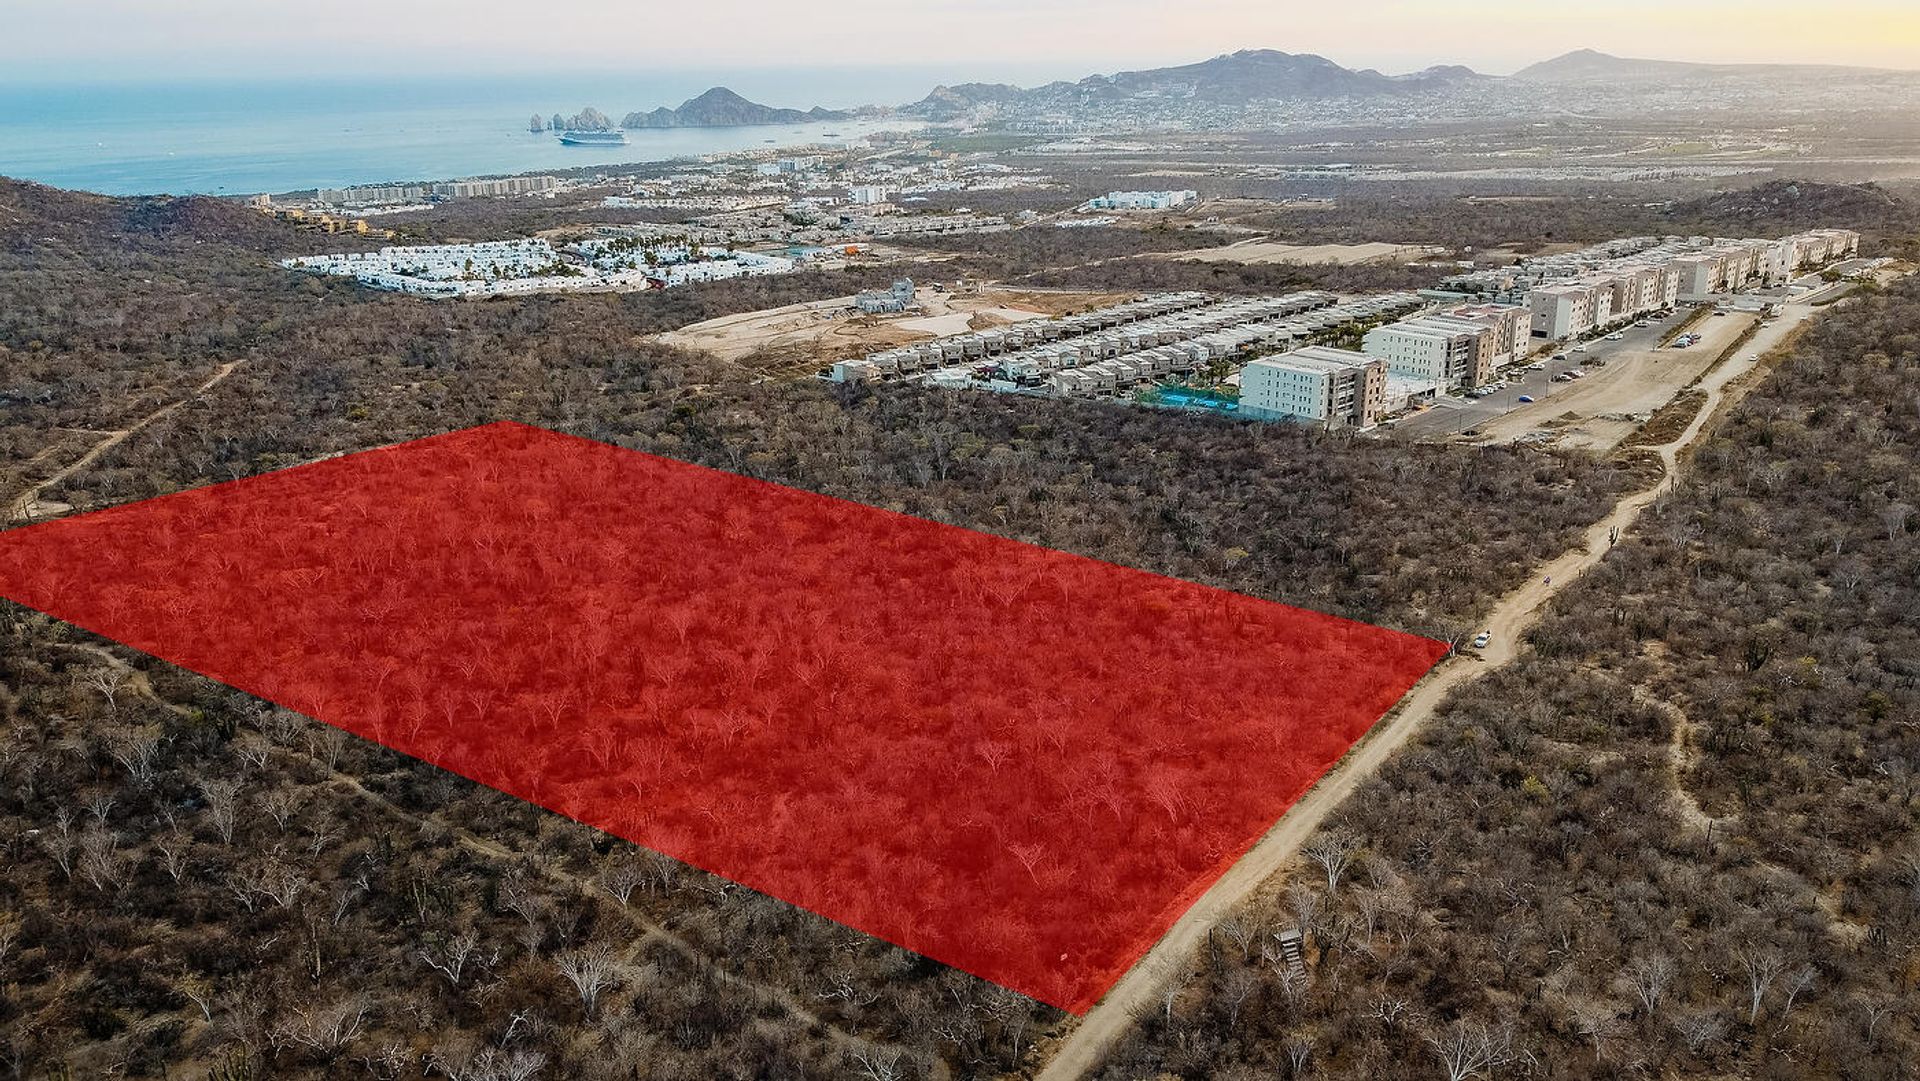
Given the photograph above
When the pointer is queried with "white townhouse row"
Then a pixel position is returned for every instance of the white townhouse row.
(1228, 344)
(1122, 356)
(978, 345)
(1227, 338)
(1201, 332)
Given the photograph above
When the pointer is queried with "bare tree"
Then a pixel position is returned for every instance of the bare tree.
(1895, 518)
(1598, 1023)
(1762, 965)
(174, 848)
(1649, 976)
(282, 884)
(1697, 1030)
(252, 750)
(621, 877)
(280, 805)
(1233, 991)
(136, 749)
(101, 862)
(590, 970)
(327, 1029)
(222, 806)
(60, 841)
(1299, 1046)
(877, 1063)
(1334, 851)
(1796, 983)
(1874, 1010)
(1387, 1010)
(106, 681)
(451, 957)
(325, 743)
(9, 934)
(197, 990)
(466, 1061)
(1471, 1050)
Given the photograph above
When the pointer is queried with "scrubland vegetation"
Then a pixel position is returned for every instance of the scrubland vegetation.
(198, 885)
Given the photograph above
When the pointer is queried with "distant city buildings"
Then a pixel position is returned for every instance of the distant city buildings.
(1142, 200)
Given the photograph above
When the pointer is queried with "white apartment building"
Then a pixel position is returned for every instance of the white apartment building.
(1816, 248)
(1570, 309)
(867, 195)
(1432, 349)
(1331, 387)
(1509, 323)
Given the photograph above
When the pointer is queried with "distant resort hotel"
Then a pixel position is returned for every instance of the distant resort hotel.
(520, 267)
(372, 194)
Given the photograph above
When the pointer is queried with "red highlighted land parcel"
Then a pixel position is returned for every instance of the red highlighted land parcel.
(1023, 763)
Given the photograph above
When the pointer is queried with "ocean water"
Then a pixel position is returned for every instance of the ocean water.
(235, 137)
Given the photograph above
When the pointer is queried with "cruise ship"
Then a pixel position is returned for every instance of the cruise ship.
(594, 138)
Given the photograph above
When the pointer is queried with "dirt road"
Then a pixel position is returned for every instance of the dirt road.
(26, 505)
(1083, 1048)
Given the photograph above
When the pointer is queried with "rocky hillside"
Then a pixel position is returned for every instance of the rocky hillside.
(722, 108)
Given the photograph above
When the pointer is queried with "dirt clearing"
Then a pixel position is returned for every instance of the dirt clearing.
(1269, 251)
(822, 331)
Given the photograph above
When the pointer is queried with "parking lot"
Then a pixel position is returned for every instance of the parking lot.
(1621, 378)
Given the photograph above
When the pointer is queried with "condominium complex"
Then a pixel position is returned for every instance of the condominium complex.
(1575, 293)
(1333, 387)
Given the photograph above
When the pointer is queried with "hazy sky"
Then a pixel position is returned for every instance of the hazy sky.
(1023, 40)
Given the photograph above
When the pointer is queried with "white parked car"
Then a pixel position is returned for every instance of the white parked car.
(1616, 336)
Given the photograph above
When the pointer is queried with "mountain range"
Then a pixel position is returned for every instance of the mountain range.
(1587, 65)
(1233, 80)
